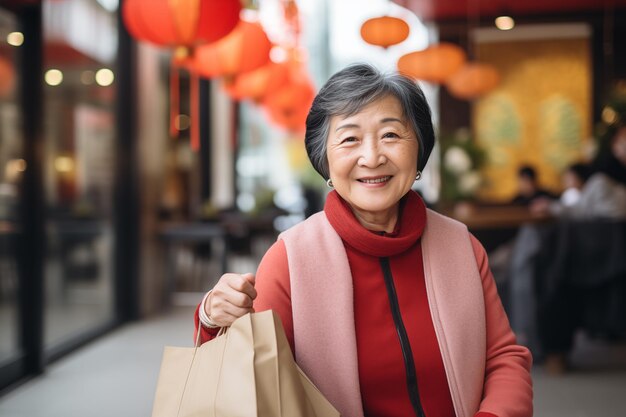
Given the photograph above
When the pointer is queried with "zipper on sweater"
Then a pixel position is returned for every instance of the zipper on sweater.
(407, 354)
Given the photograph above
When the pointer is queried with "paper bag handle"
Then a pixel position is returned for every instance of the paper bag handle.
(219, 333)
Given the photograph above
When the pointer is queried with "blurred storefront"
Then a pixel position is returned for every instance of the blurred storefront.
(67, 252)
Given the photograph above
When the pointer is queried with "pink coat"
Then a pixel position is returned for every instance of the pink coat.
(486, 370)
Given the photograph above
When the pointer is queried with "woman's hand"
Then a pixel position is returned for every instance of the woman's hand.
(231, 298)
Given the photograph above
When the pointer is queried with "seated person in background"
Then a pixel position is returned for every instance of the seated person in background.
(519, 262)
(546, 320)
(599, 196)
(528, 186)
(574, 178)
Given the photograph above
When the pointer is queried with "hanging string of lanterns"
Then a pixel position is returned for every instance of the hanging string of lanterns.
(443, 63)
(282, 87)
(181, 25)
(211, 39)
(447, 64)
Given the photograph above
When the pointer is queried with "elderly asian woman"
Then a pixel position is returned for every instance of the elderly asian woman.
(389, 307)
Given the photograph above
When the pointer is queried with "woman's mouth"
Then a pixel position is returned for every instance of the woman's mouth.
(375, 180)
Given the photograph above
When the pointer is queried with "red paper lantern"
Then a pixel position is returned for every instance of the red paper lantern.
(473, 81)
(434, 64)
(7, 77)
(180, 22)
(255, 85)
(245, 49)
(384, 31)
(289, 106)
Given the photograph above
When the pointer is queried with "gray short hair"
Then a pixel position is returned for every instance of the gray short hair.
(349, 91)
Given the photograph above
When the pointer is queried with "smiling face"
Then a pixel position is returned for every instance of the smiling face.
(372, 159)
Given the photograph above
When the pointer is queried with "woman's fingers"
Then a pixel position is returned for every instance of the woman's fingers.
(223, 319)
(230, 284)
(243, 284)
(249, 277)
(235, 311)
(225, 313)
(231, 298)
(236, 298)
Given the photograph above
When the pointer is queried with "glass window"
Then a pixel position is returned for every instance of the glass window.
(80, 47)
(11, 167)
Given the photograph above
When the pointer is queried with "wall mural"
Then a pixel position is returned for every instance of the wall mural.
(539, 115)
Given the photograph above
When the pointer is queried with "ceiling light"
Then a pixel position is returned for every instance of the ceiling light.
(15, 38)
(53, 77)
(104, 77)
(505, 22)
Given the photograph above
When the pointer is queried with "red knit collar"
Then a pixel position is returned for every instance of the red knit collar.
(408, 230)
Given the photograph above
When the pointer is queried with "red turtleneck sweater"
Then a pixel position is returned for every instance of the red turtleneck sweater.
(382, 372)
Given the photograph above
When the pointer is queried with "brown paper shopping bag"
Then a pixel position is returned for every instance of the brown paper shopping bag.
(247, 371)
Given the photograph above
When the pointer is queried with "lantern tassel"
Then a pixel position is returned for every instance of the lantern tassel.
(194, 97)
(174, 99)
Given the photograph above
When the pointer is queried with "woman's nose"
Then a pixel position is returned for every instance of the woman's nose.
(371, 155)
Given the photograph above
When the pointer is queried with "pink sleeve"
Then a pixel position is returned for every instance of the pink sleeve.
(273, 292)
(508, 387)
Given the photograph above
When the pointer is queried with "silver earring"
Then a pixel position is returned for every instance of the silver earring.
(329, 183)
(418, 176)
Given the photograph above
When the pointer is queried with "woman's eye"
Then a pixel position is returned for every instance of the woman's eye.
(391, 135)
(348, 139)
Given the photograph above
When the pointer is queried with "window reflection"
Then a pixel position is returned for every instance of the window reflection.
(80, 46)
(11, 168)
